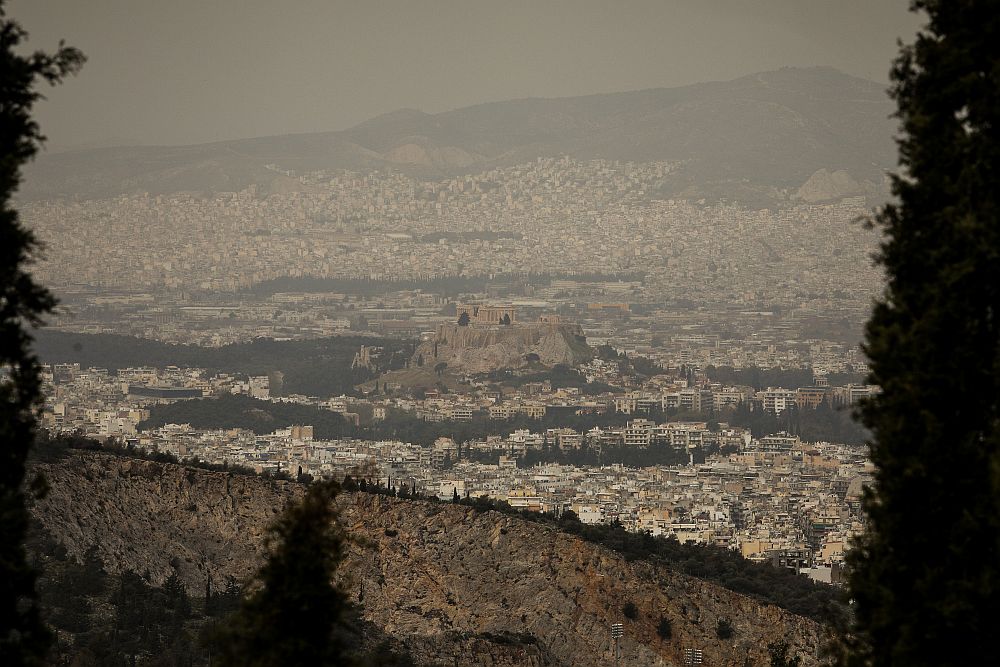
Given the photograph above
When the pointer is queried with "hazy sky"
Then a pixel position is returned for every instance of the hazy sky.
(187, 71)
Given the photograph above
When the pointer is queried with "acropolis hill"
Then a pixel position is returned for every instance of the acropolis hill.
(485, 344)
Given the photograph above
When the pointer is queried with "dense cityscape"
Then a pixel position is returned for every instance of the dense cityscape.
(558, 334)
(770, 497)
(682, 286)
(724, 296)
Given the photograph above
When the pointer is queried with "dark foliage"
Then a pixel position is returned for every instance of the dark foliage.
(290, 616)
(224, 602)
(761, 378)
(724, 628)
(318, 367)
(926, 574)
(147, 617)
(630, 611)
(778, 651)
(665, 629)
(822, 424)
(239, 411)
(148, 620)
(634, 365)
(788, 378)
(385, 655)
(644, 367)
(828, 424)
(235, 411)
(778, 586)
(559, 376)
(23, 303)
(67, 598)
(404, 426)
(156, 624)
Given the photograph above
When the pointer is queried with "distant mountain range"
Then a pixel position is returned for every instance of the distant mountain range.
(744, 137)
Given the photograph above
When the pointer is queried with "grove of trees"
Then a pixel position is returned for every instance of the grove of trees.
(316, 367)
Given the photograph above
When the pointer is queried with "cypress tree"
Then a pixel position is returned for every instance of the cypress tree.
(291, 615)
(23, 637)
(925, 576)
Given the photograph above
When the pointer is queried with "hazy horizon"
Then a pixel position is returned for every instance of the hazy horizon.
(185, 73)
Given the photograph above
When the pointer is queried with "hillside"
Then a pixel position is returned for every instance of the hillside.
(482, 349)
(735, 138)
(451, 583)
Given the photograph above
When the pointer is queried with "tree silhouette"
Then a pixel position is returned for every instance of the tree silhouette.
(925, 577)
(778, 652)
(665, 629)
(463, 320)
(290, 617)
(23, 637)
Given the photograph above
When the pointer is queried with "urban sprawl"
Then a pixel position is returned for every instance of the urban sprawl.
(684, 285)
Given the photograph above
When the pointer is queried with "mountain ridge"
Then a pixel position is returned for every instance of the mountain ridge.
(767, 130)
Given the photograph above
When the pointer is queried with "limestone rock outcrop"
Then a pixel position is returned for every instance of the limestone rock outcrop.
(453, 584)
(481, 349)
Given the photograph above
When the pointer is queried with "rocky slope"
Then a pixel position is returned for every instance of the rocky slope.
(481, 349)
(454, 585)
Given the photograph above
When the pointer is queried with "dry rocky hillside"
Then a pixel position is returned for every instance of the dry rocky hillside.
(455, 585)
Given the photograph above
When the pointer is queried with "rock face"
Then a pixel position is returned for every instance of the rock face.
(452, 584)
(416, 151)
(484, 348)
(828, 186)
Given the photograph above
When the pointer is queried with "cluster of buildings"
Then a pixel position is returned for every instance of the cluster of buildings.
(102, 403)
(685, 285)
(170, 264)
(773, 499)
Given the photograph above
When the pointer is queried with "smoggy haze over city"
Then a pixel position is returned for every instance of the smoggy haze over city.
(190, 71)
(571, 300)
